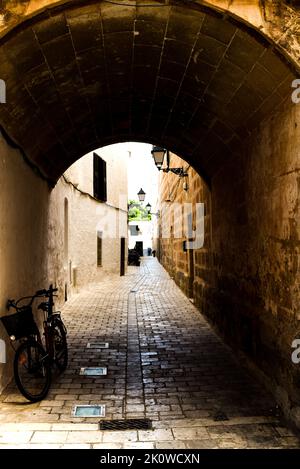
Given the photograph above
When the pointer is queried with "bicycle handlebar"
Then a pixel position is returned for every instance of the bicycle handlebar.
(14, 303)
(46, 292)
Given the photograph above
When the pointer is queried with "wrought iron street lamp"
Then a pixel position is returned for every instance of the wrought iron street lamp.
(159, 154)
(141, 195)
(149, 207)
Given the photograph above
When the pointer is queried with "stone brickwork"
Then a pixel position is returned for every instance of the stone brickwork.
(254, 295)
(188, 76)
(274, 18)
(164, 363)
(210, 82)
(246, 277)
(189, 268)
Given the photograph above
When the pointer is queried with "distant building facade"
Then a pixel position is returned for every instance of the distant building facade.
(95, 217)
(140, 233)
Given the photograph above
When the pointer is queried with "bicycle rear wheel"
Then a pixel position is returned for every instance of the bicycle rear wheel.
(60, 345)
(32, 370)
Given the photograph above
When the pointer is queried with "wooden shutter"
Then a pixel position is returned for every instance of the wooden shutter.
(100, 181)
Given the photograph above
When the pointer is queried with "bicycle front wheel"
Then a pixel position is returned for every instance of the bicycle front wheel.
(32, 371)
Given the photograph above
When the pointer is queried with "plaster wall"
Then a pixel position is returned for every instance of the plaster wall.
(33, 250)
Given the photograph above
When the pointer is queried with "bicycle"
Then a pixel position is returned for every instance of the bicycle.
(33, 360)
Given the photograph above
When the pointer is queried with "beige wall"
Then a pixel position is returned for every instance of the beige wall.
(246, 278)
(116, 157)
(184, 266)
(32, 230)
(24, 233)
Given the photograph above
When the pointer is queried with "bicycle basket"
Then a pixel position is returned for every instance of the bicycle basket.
(20, 324)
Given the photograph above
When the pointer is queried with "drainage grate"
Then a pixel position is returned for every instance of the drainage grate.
(129, 424)
(96, 345)
(89, 410)
(93, 371)
(220, 416)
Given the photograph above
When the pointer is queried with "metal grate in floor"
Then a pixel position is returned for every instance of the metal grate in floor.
(128, 424)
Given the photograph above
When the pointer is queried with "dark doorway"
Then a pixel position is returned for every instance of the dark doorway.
(139, 247)
(122, 261)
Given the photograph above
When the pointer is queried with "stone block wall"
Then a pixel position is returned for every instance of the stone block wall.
(246, 278)
(188, 267)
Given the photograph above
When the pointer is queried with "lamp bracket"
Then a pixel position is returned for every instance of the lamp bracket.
(178, 171)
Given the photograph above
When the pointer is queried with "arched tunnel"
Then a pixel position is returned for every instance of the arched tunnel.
(210, 86)
(188, 78)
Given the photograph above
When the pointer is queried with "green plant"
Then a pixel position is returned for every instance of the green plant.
(136, 212)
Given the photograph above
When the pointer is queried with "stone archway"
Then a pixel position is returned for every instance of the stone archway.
(209, 86)
(190, 78)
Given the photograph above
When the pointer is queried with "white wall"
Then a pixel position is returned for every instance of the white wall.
(145, 235)
(32, 230)
(87, 216)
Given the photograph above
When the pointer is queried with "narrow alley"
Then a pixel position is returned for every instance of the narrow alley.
(163, 362)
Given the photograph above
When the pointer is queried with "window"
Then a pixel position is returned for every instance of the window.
(100, 189)
(99, 248)
(134, 230)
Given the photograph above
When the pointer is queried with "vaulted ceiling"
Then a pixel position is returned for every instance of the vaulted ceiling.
(188, 78)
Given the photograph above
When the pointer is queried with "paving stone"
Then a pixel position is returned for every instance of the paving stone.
(201, 444)
(75, 427)
(16, 398)
(84, 437)
(155, 435)
(66, 397)
(139, 445)
(15, 437)
(175, 444)
(135, 408)
(108, 446)
(76, 446)
(283, 431)
(49, 437)
(52, 403)
(32, 446)
(288, 441)
(235, 443)
(190, 433)
(120, 436)
(163, 364)
(21, 427)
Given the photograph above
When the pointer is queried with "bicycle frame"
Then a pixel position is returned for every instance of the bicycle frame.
(38, 350)
(50, 315)
(47, 308)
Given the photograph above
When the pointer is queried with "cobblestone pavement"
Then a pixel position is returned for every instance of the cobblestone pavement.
(164, 363)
